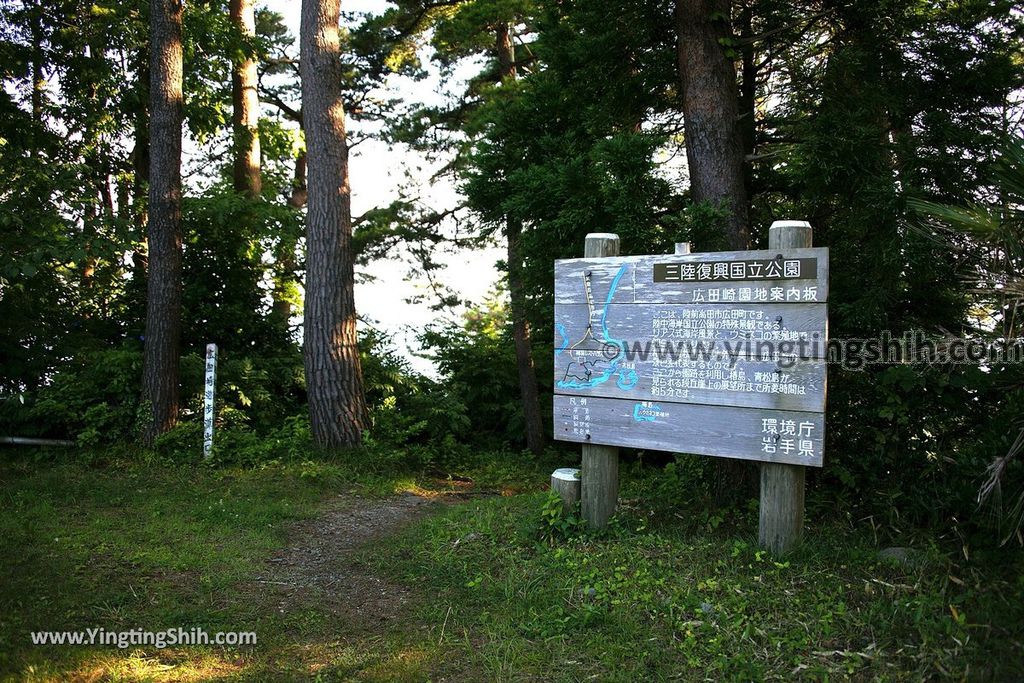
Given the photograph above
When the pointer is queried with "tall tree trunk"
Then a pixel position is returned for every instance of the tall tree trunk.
(245, 106)
(714, 148)
(163, 294)
(334, 379)
(281, 308)
(748, 95)
(38, 81)
(528, 392)
(298, 197)
(38, 85)
(139, 183)
(140, 156)
(506, 52)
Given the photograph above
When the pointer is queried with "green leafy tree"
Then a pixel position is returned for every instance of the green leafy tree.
(993, 234)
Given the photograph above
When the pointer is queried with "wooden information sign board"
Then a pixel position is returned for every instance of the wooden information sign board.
(714, 353)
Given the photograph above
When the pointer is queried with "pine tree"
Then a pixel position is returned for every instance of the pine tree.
(245, 104)
(334, 378)
(163, 303)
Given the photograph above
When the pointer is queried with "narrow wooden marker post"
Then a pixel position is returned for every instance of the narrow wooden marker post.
(782, 485)
(211, 379)
(600, 475)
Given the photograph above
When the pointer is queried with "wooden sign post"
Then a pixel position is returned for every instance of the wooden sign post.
(600, 472)
(781, 523)
(719, 354)
(211, 378)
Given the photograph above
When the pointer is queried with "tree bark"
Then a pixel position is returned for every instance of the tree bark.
(748, 96)
(297, 199)
(281, 307)
(140, 157)
(714, 148)
(38, 80)
(528, 392)
(38, 85)
(245, 106)
(163, 300)
(506, 53)
(334, 380)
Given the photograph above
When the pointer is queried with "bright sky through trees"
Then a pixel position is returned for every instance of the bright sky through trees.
(378, 173)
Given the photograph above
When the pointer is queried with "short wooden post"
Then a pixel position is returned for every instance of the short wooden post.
(565, 481)
(782, 486)
(600, 475)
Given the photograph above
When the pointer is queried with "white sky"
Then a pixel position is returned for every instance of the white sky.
(377, 173)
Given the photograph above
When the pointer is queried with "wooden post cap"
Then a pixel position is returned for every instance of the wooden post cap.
(790, 224)
(566, 474)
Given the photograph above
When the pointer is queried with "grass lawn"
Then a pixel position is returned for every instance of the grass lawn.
(664, 603)
(490, 597)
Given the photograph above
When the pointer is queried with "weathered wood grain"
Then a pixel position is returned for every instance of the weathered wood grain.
(765, 384)
(727, 432)
(633, 277)
(599, 486)
(565, 481)
(781, 508)
(599, 489)
(735, 329)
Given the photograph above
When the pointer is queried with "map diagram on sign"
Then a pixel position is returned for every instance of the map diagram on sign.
(701, 353)
(596, 356)
(628, 330)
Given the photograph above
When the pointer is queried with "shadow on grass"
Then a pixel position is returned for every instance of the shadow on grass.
(166, 548)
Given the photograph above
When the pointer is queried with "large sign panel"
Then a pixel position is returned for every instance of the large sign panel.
(717, 354)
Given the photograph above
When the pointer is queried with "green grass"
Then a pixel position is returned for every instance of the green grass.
(683, 602)
(157, 546)
(679, 596)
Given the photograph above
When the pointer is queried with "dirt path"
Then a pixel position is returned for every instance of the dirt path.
(321, 562)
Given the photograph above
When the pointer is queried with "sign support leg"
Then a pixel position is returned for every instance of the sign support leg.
(600, 471)
(600, 484)
(782, 486)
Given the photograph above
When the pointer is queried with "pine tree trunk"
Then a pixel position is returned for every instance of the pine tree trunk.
(245, 106)
(521, 339)
(334, 379)
(528, 392)
(38, 85)
(714, 148)
(38, 82)
(140, 153)
(714, 151)
(163, 300)
(281, 307)
(297, 199)
(506, 52)
(748, 96)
